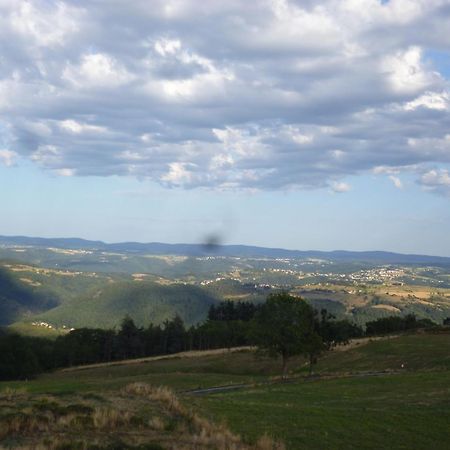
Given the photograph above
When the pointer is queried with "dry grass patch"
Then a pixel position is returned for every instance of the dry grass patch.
(195, 431)
(110, 418)
(139, 416)
(10, 394)
(156, 423)
(265, 442)
(23, 424)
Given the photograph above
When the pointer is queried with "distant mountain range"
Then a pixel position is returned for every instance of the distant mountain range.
(78, 283)
(210, 249)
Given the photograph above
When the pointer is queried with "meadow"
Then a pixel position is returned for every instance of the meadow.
(390, 393)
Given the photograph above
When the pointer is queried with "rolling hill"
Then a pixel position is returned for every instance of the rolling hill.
(145, 302)
(18, 300)
(79, 283)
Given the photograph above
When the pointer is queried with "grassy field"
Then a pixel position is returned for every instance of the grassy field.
(361, 398)
(357, 406)
(393, 411)
(138, 416)
(177, 373)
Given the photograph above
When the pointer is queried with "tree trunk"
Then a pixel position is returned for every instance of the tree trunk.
(285, 366)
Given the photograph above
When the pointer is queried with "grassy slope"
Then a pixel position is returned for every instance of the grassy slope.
(415, 352)
(145, 302)
(139, 417)
(26, 291)
(408, 409)
(18, 299)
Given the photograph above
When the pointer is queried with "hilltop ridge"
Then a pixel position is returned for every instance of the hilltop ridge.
(246, 251)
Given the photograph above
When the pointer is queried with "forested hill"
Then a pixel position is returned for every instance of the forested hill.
(243, 251)
(17, 300)
(144, 302)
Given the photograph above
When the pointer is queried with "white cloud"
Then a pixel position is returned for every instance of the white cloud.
(8, 157)
(222, 160)
(431, 100)
(242, 142)
(384, 170)
(396, 181)
(405, 71)
(179, 174)
(65, 172)
(435, 177)
(244, 95)
(45, 26)
(97, 70)
(340, 187)
(437, 181)
(72, 126)
(47, 156)
(167, 46)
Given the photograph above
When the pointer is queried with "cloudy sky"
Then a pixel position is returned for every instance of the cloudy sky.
(299, 124)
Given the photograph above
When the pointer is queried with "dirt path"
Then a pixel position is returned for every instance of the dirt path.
(293, 379)
(362, 341)
(190, 354)
(198, 353)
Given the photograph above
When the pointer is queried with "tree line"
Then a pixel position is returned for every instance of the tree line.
(284, 325)
(394, 324)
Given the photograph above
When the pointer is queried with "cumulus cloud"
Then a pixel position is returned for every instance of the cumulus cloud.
(431, 100)
(272, 94)
(396, 181)
(42, 26)
(96, 70)
(65, 172)
(406, 73)
(7, 157)
(437, 181)
(340, 187)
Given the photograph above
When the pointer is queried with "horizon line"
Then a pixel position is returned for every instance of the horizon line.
(205, 244)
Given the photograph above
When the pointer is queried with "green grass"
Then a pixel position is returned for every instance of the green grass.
(408, 409)
(177, 373)
(415, 352)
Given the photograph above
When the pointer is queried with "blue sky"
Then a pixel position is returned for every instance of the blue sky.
(307, 125)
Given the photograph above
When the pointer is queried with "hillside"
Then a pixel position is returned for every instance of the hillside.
(389, 393)
(386, 408)
(27, 290)
(143, 301)
(19, 300)
(87, 281)
(95, 299)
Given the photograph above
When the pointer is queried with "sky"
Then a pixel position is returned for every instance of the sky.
(296, 124)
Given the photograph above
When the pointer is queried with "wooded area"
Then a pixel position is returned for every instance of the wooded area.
(283, 325)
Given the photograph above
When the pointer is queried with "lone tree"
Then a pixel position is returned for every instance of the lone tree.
(287, 326)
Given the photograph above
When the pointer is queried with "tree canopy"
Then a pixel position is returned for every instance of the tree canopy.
(287, 326)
